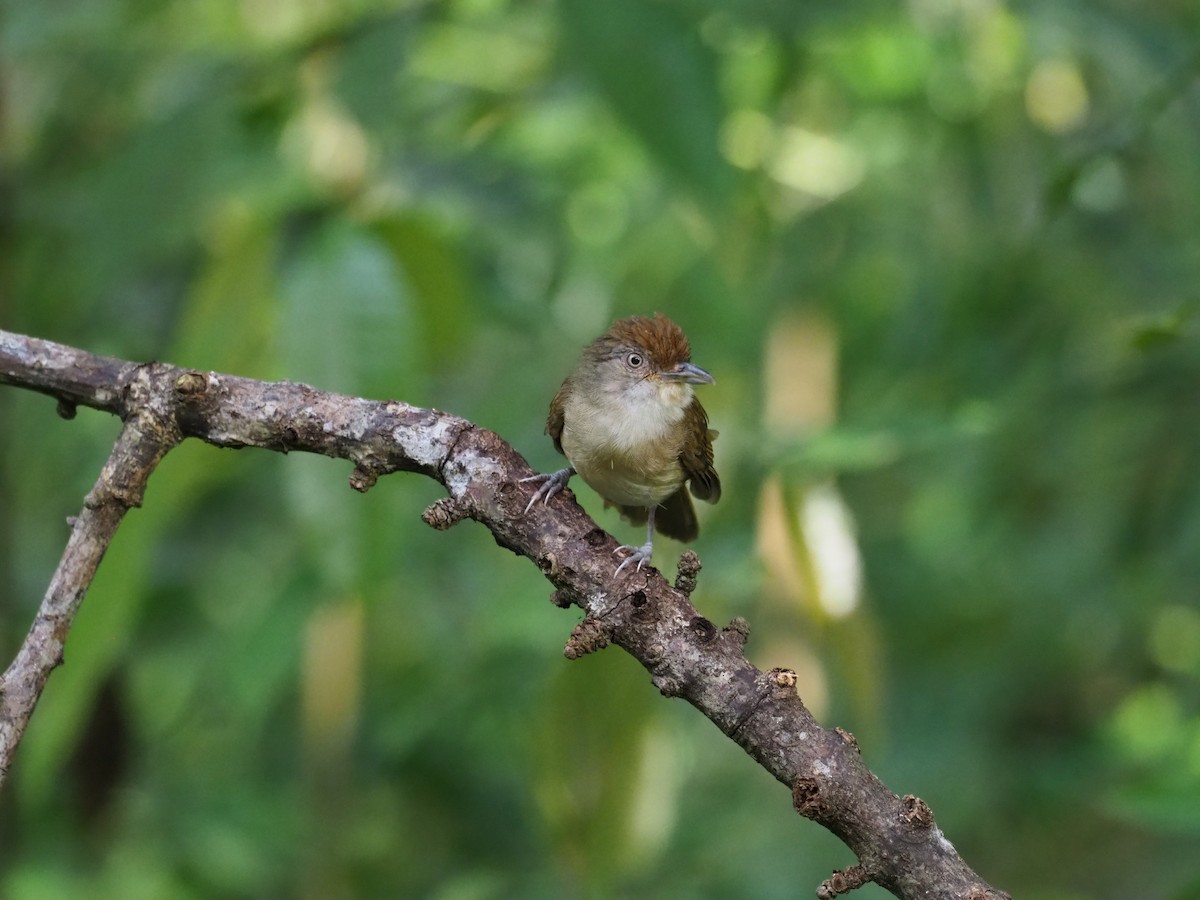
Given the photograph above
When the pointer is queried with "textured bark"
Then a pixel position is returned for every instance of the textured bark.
(895, 839)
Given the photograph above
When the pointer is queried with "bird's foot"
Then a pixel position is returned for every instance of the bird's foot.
(550, 485)
(640, 555)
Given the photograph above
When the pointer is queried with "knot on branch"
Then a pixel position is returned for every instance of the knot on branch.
(362, 479)
(668, 685)
(640, 602)
(848, 738)
(108, 491)
(590, 635)
(442, 514)
(843, 882)
(547, 564)
(916, 812)
(667, 681)
(190, 384)
(66, 409)
(689, 566)
(595, 537)
(702, 630)
(784, 679)
(806, 797)
(564, 597)
(983, 892)
(739, 630)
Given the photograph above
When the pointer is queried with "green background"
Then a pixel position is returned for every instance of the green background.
(943, 258)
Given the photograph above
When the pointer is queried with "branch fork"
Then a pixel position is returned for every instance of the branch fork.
(897, 844)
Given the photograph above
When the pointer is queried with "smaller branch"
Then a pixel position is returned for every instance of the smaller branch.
(144, 440)
(842, 882)
(686, 572)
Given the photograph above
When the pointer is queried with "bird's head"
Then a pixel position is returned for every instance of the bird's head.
(646, 359)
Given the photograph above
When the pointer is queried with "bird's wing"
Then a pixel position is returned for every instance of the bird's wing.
(554, 419)
(696, 457)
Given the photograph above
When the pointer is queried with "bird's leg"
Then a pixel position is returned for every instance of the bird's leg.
(550, 485)
(640, 555)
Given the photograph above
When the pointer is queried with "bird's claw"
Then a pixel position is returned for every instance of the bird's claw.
(551, 484)
(640, 555)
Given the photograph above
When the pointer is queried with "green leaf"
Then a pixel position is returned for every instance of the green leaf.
(441, 293)
(229, 317)
(660, 80)
(345, 324)
(1153, 332)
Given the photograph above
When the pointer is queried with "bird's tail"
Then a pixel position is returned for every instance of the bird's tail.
(676, 517)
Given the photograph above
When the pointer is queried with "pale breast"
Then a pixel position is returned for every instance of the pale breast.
(629, 456)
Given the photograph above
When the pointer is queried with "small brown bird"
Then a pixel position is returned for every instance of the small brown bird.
(628, 422)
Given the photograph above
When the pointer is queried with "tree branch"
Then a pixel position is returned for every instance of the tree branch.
(146, 437)
(895, 839)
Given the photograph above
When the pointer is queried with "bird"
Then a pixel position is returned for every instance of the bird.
(628, 422)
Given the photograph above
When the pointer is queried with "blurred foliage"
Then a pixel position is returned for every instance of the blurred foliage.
(942, 258)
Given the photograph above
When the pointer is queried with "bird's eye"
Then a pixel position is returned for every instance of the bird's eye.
(634, 360)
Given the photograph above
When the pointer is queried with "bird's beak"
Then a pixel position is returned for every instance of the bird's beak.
(688, 374)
